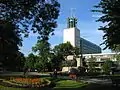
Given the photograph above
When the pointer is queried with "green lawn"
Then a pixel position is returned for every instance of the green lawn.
(9, 88)
(69, 84)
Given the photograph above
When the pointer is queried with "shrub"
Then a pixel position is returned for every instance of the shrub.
(73, 71)
(81, 70)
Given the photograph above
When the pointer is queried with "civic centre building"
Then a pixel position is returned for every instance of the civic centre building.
(88, 49)
(72, 35)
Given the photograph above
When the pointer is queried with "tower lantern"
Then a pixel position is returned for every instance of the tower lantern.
(71, 22)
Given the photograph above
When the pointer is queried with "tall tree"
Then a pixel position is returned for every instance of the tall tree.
(63, 49)
(10, 41)
(22, 14)
(110, 10)
(43, 49)
(40, 14)
(30, 61)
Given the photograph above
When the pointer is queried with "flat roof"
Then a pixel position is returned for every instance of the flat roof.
(101, 54)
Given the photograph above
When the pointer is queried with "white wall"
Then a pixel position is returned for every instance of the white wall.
(72, 35)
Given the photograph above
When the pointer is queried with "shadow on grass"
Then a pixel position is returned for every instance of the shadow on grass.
(88, 87)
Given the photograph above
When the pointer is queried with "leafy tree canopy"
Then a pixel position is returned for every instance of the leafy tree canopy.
(40, 14)
(111, 19)
(92, 64)
(43, 49)
(30, 61)
(64, 49)
(10, 41)
(107, 66)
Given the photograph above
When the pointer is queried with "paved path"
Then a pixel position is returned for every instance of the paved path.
(21, 74)
(98, 81)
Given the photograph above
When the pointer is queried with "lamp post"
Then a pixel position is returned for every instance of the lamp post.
(81, 53)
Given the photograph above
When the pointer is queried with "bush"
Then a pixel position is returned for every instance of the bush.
(81, 70)
(73, 71)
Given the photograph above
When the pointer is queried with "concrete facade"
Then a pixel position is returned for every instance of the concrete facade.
(72, 35)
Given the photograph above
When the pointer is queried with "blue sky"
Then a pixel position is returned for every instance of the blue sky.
(86, 23)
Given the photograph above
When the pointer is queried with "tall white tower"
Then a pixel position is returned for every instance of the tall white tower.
(71, 33)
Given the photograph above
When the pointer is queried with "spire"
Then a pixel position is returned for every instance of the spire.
(72, 12)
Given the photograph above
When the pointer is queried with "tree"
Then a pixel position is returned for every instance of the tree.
(76, 51)
(107, 66)
(91, 64)
(20, 60)
(10, 41)
(30, 61)
(43, 49)
(63, 49)
(111, 19)
(24, 15)
(56, 61)
(40, 14)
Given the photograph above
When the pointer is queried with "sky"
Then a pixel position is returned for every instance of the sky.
(81, 9)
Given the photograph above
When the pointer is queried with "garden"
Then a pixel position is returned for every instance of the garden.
(46, 83)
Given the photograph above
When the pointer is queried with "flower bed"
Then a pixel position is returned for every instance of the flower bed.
(26, 82)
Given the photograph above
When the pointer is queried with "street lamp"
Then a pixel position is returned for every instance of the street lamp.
(81, 53)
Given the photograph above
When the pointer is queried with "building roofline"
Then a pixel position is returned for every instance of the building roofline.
(101, 54)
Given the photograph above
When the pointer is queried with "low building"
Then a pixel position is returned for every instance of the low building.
(100, 58)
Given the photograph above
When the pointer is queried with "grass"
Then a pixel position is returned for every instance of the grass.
(116, 75)
(69, 84)
(10, 88)
(62, 84)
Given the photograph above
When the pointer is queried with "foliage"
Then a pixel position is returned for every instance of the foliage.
(81, 70)
(62, 50)
(43, 49)
(56, 61)
(73, 71)
(17, 17)
(51, 59)
(92, 64)
(76, 51)
(107, 66)
(111, 17)
(26, 82)
(117, 56)
(30, 61)
(20, 60)
(10, 41)
(40, 14)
